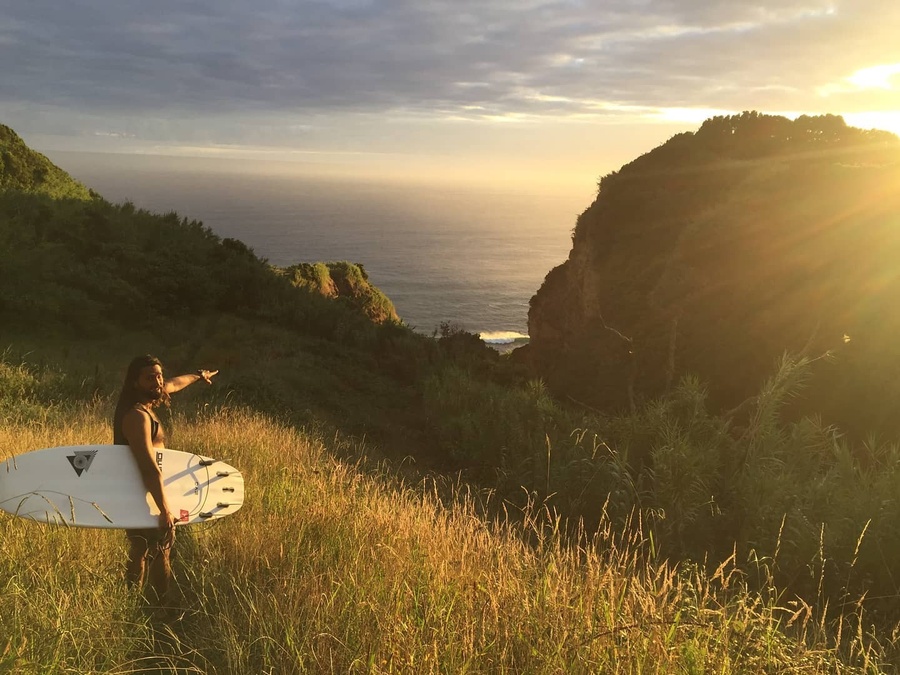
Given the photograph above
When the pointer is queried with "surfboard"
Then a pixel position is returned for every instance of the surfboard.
(100, 486)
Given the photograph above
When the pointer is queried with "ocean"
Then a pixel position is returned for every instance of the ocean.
(471, 256)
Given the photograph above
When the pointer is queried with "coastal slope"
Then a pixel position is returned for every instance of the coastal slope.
(721, 249)
(21, 168)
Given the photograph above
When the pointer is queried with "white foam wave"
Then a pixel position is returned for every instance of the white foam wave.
(502, 337)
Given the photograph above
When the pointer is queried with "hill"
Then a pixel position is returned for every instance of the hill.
(91, 266)
(332, 568)
(718, 251)
(76, 262)
(21, 168)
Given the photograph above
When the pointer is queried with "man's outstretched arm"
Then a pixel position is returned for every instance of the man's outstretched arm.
(181, 381)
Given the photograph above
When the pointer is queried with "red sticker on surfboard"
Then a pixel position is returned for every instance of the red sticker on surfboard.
(185, 515)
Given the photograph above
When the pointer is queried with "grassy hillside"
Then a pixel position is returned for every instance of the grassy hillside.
(333, 567)
(21, 168)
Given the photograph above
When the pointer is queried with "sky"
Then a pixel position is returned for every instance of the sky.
(490, 90)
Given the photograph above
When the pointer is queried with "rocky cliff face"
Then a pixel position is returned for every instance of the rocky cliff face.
(721, 249)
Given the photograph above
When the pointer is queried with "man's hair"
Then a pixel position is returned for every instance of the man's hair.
(131, 395)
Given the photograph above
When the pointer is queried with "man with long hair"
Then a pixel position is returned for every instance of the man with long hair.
(135, 424)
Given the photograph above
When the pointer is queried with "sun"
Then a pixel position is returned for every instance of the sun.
(876, 77)
(880, 86)
(888, 120)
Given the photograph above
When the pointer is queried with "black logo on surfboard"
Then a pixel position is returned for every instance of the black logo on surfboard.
(81, 460)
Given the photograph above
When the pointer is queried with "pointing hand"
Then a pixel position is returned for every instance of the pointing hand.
(207, 375)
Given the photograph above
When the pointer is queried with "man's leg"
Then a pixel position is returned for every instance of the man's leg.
(137, 556)
(160, 572)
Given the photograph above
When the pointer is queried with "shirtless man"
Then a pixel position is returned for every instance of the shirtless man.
(135, 424)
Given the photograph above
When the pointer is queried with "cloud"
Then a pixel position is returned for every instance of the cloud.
(209, 68)
(113, 134)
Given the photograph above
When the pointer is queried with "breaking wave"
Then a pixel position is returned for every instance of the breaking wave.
(503, 337)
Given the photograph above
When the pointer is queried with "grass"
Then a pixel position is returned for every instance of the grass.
(329, 568)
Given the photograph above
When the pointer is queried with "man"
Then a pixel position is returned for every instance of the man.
(135, 424)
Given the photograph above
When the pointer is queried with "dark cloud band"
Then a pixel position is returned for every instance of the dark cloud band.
(461, 57)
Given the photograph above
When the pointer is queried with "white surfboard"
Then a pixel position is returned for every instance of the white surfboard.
(101, 486)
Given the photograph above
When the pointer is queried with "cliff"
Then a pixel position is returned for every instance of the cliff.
(721, 249)
(345, 281)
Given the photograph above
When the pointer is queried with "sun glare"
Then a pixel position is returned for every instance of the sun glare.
(877, 77)
(886, 120)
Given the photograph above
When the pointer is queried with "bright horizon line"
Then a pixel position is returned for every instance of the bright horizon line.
(877, 119)
(555, 163)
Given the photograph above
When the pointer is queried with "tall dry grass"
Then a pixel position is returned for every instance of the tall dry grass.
(333, 568)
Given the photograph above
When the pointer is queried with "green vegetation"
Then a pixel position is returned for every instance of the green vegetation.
(719, 250)
(753, 136)
(335, 566)
(346, 281)
(417, 504)
(21, 168)
(91, 267)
